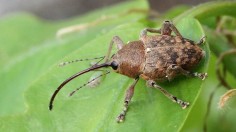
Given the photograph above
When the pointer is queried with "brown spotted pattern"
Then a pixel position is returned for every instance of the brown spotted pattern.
(163, 51)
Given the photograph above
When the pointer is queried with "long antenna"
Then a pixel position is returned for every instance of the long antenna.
(72, 93)
(77, 60)
(73, 77)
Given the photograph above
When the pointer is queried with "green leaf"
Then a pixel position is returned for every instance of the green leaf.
(29, 49)
(218, 119)
(219, 44)
(175, 11)
(210, 9)
(96, 109)
(207, 13)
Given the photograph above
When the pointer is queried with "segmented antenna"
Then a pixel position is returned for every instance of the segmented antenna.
(77, 60)
(107, 72)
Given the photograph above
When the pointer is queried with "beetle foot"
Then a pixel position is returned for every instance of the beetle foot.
(202, 76)
(202, 40)
(184, 105)
(121, 118)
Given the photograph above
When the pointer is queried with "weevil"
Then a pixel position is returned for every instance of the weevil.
(161, 56)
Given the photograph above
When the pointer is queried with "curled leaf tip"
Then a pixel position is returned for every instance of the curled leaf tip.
(225, 98)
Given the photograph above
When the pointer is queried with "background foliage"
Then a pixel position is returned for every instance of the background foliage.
(29, 54)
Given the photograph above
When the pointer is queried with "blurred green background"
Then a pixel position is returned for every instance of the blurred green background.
(30, 52)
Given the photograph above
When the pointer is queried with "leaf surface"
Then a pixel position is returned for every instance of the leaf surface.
(95, 109)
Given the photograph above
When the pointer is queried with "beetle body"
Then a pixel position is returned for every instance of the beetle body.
(153, 58)
(150, 57)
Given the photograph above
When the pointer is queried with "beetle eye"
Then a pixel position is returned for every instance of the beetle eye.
(114, 65)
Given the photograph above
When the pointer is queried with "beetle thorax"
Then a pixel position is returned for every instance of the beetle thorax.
(130, 59)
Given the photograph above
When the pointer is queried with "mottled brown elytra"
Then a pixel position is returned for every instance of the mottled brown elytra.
(152, 58)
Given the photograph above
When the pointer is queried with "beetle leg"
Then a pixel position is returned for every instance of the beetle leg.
(151, 30)
(173, 70)
(128, 96)
(119, 43)
(201, 41)
(168, 27)
(153, 84)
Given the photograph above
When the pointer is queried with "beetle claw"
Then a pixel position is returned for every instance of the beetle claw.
(120, 118)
